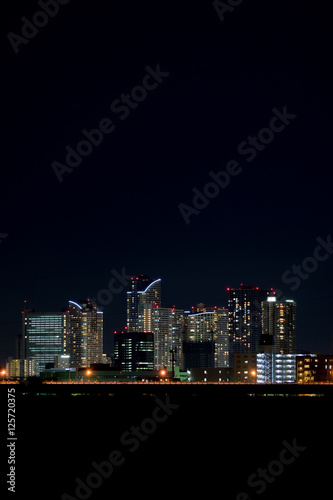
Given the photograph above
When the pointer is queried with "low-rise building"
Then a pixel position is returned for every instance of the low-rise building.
(314, 368)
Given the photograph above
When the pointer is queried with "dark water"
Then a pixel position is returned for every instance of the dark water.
(201, 445)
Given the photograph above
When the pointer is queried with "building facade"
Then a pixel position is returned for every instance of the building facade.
(279, 322)
(312, 368)
(210, 325)
(143, 294)
(167, 325)
(44, 336)
(276, 368)
(134, 351)
(21, 368)
(84, 342)
(245, 318)
(245, 367)
(210, 375)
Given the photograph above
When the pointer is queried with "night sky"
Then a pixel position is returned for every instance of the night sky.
(118, 210)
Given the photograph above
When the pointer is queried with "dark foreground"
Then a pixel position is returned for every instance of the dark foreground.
(167, 441)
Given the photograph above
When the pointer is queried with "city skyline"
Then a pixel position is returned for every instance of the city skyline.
(259, 310)
(261, 132)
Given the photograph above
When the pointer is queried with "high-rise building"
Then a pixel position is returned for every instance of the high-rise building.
(279, 322)
(134, 351)
(209, 324)
(167, 325)
(199, 341)
(222, 357)
(44, 336)
(201, 326)
(245, 318)
(144, 293)
(85, 336)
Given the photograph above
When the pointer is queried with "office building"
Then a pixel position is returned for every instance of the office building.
(245, 318)
(134, 351)
(143, 294)
(85, 337)
(44, 336)
(279, 322)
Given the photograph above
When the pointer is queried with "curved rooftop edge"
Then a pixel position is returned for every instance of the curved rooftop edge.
(77, 305)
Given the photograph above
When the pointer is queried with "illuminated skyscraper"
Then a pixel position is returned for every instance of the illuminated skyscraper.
(279, 322)
(208, 326)
(85, 337)
(143, 294)
(44, 336)
(222, 357)
(167, 325)
(245, 318)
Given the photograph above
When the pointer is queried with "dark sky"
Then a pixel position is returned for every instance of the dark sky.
(119, 208)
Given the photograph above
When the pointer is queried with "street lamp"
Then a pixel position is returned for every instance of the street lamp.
(254, 374)
(88, 372)
(3, 373)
